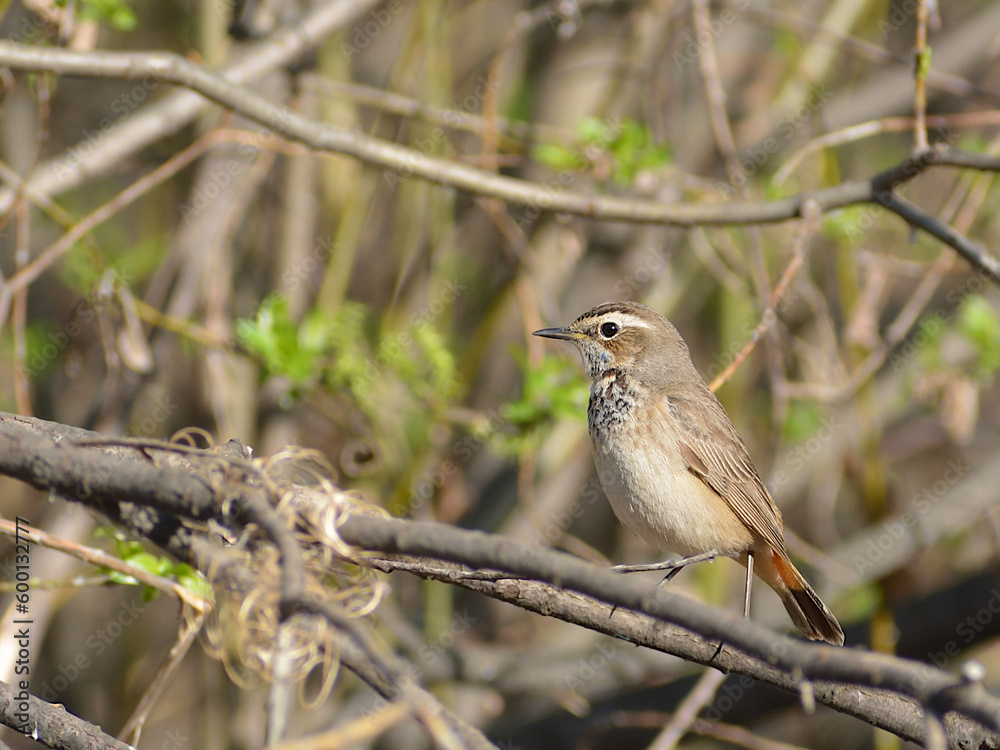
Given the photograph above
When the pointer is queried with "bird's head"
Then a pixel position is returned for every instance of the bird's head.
(628, 337)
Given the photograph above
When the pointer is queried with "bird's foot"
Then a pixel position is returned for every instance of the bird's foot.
(673, 566)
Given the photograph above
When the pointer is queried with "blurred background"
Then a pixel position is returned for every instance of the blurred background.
(283, 297)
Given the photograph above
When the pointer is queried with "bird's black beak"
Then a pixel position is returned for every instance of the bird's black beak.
(560, 333)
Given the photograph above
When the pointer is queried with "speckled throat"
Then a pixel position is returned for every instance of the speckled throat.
(612, 398)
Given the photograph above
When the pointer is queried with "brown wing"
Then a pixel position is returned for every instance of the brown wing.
(715, 453)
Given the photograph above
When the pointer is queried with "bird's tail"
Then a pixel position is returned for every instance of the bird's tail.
(804, 606)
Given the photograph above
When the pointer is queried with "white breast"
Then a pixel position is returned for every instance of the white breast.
(658, 498)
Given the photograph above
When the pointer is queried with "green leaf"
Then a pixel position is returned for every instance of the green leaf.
(979, 323)
(554, 389)
(296, 351)
(628, 142)
(443, 372)
(633, 150)
(149, 562)
(558, 157)
(118, 577)
(851, 222)
(115, 12)
(803, 420)
(592, 130)
(192, 580)
(924, 63)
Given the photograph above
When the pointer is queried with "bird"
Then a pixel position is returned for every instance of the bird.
(672, 464)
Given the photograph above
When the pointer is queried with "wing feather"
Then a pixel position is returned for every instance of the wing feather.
(716, 454)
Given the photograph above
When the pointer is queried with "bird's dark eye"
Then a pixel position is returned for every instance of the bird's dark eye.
(609, 330)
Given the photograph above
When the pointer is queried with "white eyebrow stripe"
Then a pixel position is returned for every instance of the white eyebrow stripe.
(628, 321)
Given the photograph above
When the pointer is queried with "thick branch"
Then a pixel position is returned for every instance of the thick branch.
(882, 709)
(53, 726)
(89, 476)
(932, 687)
(507, 570)
(388, 676)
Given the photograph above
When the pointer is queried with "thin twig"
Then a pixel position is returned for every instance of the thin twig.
(690, 707)
(19, 310)
(921, 62)
(140, 187)
(137, 719)
(863, 130)
(568, 588)
(103, 560)
(809, 226)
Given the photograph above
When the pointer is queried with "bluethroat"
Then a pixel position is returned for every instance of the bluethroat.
(673, 466)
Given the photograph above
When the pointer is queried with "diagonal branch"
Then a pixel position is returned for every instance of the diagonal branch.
(168, 115)
(52, 725)
(977, 256)
(931, 687)
(412, 163)
(883, 690)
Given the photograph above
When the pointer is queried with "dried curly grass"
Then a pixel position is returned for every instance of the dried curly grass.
(244, 632)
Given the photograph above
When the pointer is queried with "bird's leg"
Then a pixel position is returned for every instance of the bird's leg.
(746, 600)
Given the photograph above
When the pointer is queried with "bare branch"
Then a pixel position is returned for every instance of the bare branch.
(409, 162)
(173, 112)
(885, 691)
(929, 686)
(50, 725)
